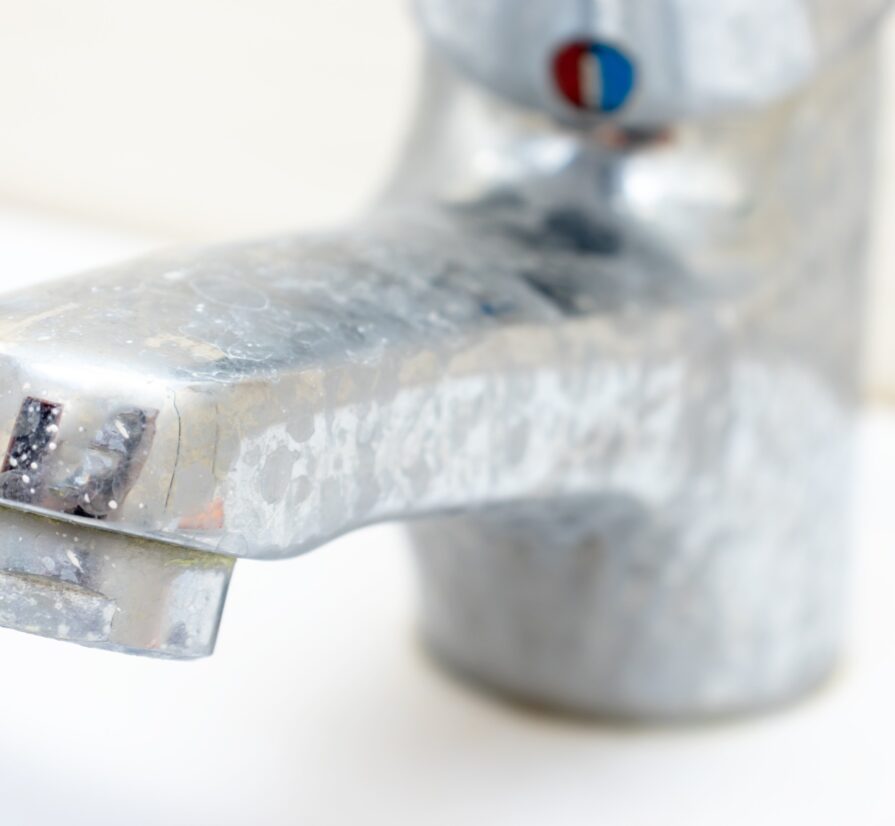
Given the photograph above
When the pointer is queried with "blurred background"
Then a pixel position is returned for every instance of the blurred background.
(129, 125)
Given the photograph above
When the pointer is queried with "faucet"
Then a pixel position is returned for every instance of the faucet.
(597, 343)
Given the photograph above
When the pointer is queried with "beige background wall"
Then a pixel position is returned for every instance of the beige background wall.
(212, 118)
(881, 335)
(202, 118)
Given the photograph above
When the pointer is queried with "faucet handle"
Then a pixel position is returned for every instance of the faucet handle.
(643, 62)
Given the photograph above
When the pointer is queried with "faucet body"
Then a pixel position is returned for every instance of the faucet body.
(608, 370)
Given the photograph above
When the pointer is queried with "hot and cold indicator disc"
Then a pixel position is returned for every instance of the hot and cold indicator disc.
(595, 77)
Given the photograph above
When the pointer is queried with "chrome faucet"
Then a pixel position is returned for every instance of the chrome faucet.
(599, 341)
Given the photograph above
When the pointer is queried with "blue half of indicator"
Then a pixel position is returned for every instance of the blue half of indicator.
(618, 75)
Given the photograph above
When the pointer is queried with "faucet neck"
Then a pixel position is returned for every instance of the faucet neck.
(707, 192)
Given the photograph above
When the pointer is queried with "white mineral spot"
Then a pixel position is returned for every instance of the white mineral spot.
(13, 462)
(52, 428)
(33, 466)
(113, 504)
(119, 426)
(52, 446)
(72, 557)
(26, 479)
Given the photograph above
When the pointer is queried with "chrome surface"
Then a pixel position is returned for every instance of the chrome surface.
(609, 372)
(108, 591)
(691, 57)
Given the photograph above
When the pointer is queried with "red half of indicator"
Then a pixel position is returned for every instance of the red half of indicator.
(570, 69)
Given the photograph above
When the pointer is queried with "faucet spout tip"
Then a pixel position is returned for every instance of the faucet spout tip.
(109, 590)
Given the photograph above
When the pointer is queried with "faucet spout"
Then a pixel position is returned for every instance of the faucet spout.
(259, 400)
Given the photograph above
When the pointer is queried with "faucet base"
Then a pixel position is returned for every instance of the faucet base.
(624, 713)
(605, 609)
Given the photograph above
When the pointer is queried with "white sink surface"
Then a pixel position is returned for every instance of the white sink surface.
(319, 708)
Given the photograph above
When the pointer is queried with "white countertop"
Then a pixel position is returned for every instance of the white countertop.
(319, 708)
